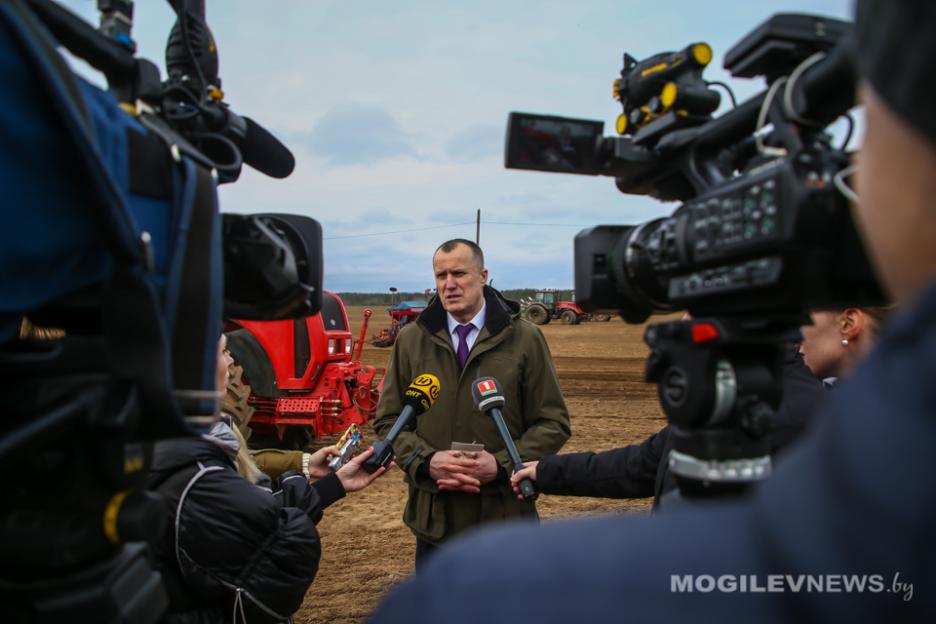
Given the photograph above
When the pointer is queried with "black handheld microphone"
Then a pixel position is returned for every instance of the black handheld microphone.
(264, 152)
(488, 398)
(417, 400)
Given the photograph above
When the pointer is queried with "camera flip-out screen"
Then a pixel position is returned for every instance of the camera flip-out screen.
(549, 143)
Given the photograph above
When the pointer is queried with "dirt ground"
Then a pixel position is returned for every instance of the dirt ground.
(367, 549)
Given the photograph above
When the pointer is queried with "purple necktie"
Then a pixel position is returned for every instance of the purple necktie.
(462, 352)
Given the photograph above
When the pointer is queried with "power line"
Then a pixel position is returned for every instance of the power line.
(406, 231)
(450, 225)
(577, 225)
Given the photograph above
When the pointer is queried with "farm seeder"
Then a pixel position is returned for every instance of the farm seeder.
(401, 313)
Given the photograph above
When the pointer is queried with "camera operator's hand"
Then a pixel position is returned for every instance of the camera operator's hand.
(527, 472)
(318, 462)
(353, 477)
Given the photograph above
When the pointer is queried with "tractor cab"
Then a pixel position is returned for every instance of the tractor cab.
(546, 297)
(336, 347)
(295, 380)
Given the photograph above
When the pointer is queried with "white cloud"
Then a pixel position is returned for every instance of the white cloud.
(357, 134)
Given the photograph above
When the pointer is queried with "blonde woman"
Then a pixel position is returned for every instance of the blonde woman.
(237, 542)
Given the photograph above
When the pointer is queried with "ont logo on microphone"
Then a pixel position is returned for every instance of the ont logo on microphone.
(429, 384)
(487, 387)
(425, 401)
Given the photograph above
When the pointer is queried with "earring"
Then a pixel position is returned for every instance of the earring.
(844, 342)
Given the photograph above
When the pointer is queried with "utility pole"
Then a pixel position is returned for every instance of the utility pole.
(478, 229)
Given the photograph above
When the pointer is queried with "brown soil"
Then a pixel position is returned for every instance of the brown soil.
(366, 548)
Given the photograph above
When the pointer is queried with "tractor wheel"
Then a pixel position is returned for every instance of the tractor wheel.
(569, 317)
(538, 315)
(601, 318)
(235, 400)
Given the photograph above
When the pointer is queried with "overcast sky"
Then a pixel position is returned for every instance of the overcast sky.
(396, 113)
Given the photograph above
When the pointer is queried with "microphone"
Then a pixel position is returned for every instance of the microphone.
(417, 399)
(257, 147)
(265, 153)
(192, 59)
(488, 398)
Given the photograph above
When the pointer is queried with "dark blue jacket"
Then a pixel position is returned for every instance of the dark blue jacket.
(857, 496)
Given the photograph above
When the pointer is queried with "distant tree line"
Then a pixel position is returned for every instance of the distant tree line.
(383, 299)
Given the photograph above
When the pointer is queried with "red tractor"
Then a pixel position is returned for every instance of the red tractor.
(401, 313)
(296, 380)
(545, 306)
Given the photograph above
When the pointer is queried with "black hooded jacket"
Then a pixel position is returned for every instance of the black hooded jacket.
(230, 546)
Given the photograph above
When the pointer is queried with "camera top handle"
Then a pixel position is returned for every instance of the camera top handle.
(685, 163)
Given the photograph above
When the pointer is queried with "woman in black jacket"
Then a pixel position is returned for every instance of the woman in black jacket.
(234, 550)
(642, 470)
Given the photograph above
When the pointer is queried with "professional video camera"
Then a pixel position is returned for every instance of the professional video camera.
(764, 234)
(117, 268)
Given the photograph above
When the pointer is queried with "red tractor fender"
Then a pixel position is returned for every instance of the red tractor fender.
(299, 349)
(570, 305)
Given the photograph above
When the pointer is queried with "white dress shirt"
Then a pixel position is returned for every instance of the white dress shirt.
(477, 321)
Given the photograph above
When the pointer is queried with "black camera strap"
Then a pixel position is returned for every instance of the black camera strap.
(197, 319)
(194, 307)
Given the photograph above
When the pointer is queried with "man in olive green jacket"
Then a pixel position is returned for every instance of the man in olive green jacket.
(451, 491)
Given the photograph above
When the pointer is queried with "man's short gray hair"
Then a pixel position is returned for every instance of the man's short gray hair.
(476, 254)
